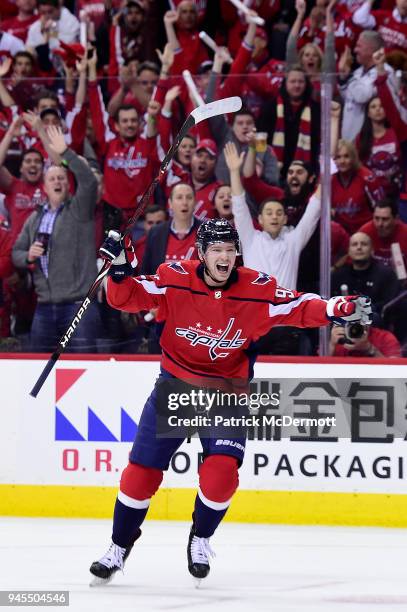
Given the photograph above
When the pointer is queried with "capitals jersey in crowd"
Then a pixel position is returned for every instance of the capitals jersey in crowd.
(345, 31)
(210, 331)
(392, 28)
(129, 164)
(353, 200)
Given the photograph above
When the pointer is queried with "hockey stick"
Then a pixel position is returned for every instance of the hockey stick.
(219, 107)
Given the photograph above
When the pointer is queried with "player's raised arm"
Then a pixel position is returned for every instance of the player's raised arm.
(310, 310)
(243, 219)
(124, 290)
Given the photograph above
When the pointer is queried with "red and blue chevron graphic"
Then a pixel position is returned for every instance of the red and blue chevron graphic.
(97, 431)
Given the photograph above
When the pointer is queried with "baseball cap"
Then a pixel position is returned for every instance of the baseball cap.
(209, 145)
(205, 67)
(50, 110)
(306, 165)
(138, 3)
(71, 53)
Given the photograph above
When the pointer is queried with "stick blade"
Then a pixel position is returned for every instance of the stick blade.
(219, 107)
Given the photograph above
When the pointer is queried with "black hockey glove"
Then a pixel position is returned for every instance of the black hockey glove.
(120, 252)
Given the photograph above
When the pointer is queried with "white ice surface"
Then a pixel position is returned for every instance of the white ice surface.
(258, 567)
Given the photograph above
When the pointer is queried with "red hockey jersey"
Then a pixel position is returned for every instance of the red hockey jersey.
(208, 331)
(6, 244)
(191, 53)
(129, 164)
(353, 202)
(204, 197)
(392, 29)
(18, 27)
(384, 162)
(345, 31)
(22, 198)
(382, 246)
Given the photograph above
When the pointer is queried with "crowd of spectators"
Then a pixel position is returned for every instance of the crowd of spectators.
(91, 97)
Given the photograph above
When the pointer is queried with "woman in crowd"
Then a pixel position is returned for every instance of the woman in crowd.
(223, 203)
(379, 148)
(354, 189)
(180, 168)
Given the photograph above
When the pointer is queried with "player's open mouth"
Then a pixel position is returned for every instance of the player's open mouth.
(223, 268)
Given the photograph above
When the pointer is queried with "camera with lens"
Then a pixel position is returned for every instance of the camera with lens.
(353, 331)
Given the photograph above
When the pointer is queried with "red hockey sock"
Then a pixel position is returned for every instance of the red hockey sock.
(218, 478)
(140, 482)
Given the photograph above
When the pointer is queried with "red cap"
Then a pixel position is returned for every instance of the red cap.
(208, 145)
(71, 53)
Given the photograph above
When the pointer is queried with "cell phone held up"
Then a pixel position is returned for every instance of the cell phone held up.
(43, 237)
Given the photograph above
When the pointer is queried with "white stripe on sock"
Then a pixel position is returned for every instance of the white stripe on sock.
(212, 504)
(137, 504)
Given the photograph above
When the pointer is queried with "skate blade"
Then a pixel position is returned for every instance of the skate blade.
(196, 582)
(97, 582)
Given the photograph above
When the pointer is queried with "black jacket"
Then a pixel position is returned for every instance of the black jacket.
(156, 246)
(379, 282)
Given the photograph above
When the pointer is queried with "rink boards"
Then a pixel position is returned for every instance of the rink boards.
(62, 453)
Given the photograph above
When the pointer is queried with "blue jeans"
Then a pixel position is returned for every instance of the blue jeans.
(51, 321)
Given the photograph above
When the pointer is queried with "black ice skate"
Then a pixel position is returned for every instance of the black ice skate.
(198, 552)
(110, 563)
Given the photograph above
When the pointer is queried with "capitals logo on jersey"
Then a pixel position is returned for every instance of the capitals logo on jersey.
(214, 340)
(130, 165)
(262, 279)
(177, 267)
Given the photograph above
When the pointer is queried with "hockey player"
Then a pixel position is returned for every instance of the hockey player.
(212, 311)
